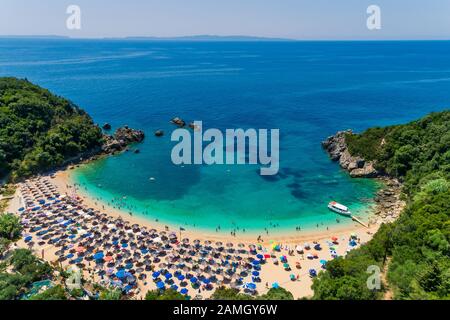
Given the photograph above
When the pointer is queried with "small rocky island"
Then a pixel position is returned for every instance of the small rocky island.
(120, 140)
(338, 150)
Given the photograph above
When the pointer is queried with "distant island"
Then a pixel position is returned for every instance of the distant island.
(200, 38)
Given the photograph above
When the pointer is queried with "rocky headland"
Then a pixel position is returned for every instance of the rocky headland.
(356, 166)
(388, 202)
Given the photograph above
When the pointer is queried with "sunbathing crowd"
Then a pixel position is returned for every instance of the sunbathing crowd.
(116, 253)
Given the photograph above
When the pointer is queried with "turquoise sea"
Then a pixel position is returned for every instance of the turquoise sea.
(309, 90)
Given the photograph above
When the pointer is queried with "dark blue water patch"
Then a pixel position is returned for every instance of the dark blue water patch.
(299, 194)
(283, 173)
(268, 178)
(292, 172)
(294, 185)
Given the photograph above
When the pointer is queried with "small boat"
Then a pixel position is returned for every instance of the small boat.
(339, 208)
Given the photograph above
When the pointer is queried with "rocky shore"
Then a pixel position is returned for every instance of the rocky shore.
(338, 151)
(388, 202)
(123, 137)
(112, 144)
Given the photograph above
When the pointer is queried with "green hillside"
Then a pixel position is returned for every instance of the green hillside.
(39, 130)
(417, 245)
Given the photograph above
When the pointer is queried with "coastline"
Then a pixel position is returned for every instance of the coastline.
(271, 273)
(65, 183)
(383, 211)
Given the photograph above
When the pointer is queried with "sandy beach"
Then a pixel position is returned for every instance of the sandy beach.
(270, 273)
(65, 183)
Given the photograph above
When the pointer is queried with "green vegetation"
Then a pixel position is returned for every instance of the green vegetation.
(417, 244)
(54, 293)
(25, 269)
(223, 293)
(110, 294)
(39, 130)
(6, 191)
(168, 294)
(277, 294)
(10, 227)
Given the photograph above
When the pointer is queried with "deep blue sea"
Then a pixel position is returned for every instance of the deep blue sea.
(309, 90)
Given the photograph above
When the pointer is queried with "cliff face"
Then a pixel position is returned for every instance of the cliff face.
(338, 151)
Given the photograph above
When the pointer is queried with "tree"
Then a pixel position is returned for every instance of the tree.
(223, 293)
(24, 262)
(10, 227)
(53, 293)
(277, 294)
(168, 294)
(39, 130)
(111, 294)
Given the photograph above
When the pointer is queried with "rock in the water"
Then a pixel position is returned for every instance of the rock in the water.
(159, 133)
(121, 139)
(137, 151)
(129, 135)
(178, 121)
(193, 126)
(338, 151)
(106, 126)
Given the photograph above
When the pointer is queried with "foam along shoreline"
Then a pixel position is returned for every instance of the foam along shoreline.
(65, 181)
(269, 273)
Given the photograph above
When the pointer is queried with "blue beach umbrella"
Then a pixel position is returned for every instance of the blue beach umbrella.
(120, 274)
(124, 245)
(184, 291)
(160, 285)
(174, 287)
(168, 275)
(69, 256)
(251, 286)
(255, 273)
(28, 238)
(127, 288)
(155, 274)
(275, 285)
(98, 255)
(194, 279)
(206, 281)
(181, 277)
(323, 262)
(260, 256)
(255, 262)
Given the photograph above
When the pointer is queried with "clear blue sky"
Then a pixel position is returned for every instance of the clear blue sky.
(298, 19)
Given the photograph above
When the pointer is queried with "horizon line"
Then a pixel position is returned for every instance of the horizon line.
(207, 37)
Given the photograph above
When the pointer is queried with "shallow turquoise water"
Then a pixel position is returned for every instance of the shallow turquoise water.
(225, 198)
(309, 90)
